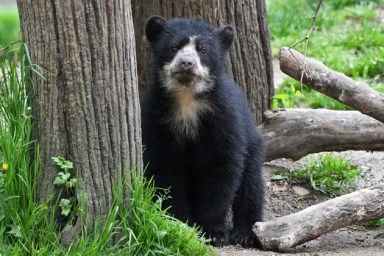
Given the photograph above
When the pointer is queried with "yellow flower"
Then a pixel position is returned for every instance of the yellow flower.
(4, 167)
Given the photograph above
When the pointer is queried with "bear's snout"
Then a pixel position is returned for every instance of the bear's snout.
(187, 63)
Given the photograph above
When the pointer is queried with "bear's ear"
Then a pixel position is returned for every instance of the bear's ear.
(154, 27)
(226, 35)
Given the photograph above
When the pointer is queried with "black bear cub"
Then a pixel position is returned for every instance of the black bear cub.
(199, 136)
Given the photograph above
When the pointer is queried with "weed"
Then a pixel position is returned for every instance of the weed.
(374, 224)
(64, 180)
(327, 174)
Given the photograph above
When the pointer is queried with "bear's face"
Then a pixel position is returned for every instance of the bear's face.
(188, 54)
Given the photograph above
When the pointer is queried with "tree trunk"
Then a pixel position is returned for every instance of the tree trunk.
(357, 95)
(294, 133)
(288, 231)
(250, 57)
(86, 108)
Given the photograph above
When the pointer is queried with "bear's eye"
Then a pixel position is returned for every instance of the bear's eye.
(173, 48)
(203, 51)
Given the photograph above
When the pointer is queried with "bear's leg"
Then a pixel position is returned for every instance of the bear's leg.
(177, 199)
(248, 206)
(210, 207)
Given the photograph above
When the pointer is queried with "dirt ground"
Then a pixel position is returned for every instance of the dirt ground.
(281, 200)
(349, 241)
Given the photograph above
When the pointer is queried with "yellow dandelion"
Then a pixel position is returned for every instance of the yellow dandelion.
(4, 167)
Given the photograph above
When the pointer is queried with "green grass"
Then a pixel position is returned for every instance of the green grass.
(9, 25)
(18, 189)
(140, 227)
(374, 224)
(326, 174)
(294, 96)
(348, 38)
(137, 225)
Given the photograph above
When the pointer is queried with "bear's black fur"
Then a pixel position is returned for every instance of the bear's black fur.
(199, 137)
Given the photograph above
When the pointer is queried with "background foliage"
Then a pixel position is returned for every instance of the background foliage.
(348, 38)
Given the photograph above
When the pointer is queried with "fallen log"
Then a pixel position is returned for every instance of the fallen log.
(295, 133)
(357, 95)
(284, 233)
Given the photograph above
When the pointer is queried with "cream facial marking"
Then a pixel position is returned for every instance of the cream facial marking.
(186, 70)
(185, 77)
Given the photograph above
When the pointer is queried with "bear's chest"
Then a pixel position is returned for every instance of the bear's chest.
(187, 111)
(187, 105)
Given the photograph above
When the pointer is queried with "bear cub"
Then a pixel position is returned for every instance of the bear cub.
(199, 137)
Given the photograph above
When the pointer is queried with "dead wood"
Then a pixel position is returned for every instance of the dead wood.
(357, 95)
(283, 233)
(294, 133)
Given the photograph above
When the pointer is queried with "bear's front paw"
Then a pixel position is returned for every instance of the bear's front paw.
(245, 238)
(217, 238)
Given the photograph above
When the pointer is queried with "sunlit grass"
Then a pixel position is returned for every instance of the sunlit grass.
(325, 173)
(348, 38)
(9, 25)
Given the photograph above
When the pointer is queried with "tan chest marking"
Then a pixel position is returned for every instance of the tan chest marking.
(187, 109)
(188, 104)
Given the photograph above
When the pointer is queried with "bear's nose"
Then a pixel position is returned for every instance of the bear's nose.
(187, 63)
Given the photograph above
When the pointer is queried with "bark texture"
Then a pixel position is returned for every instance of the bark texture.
(87, 108)
(286, 232)
(250, 62)
(357, 95)
(295, 133)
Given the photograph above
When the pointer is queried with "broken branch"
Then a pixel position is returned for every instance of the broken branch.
(357, 95)
(284, 233)
(295, 133)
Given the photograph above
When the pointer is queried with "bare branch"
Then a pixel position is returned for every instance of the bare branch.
(357, 95)
(306, 39)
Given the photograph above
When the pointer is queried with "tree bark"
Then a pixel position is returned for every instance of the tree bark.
(295, 133)
(286, 232)
(357, 95)
(250, 57)
(86, 108)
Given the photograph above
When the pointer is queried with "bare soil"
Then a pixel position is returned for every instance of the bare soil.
(349, 241)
